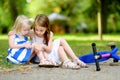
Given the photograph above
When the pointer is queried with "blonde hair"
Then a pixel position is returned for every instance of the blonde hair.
(19, 23)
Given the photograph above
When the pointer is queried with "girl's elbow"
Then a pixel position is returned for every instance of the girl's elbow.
(11, 46)
(50, 50)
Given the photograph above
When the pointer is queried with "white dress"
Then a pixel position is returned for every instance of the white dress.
(53, 55)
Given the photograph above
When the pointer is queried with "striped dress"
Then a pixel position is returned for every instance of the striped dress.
(19, 55)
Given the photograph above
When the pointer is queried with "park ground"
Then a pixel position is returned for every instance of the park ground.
(81, 44)
(33, 72)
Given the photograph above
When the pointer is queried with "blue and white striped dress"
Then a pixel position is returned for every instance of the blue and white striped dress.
(19, 55)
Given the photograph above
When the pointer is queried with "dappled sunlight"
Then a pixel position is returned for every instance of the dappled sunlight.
(111, 37)
(77, 37)
(3, 37)
(87, 37)
(81, 38)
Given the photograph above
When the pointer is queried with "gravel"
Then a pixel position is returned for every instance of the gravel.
(33, 72)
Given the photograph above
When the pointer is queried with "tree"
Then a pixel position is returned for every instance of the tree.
(105, 8)
(9, 10)
(99, 20)
(13, 9)
(70, 8)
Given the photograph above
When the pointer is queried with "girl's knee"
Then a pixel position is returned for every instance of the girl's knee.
(62, 40)
(60, 48)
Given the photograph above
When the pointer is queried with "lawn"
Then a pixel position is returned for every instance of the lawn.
(80, 43)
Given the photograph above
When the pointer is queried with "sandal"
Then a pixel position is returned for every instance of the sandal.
(45, 63)
(70, 65)
(53, 63)
(81, 63)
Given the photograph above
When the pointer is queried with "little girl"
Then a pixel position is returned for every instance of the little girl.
(57, 50)
(20, 49)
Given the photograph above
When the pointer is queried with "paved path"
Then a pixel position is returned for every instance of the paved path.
(36, 73)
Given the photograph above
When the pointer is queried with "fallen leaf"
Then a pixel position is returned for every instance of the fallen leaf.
(20, 69)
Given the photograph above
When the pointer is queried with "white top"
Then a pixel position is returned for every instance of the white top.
(37, 39)
(53, 55)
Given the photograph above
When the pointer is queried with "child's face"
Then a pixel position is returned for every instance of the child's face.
(25, 30)
(39, 30)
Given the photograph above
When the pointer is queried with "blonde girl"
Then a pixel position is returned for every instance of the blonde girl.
(20, 49)
(56, 50)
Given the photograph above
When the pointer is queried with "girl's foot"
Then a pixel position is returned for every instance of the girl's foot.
(45, 62)
(80, 63)
(53, 63)
(70, 65)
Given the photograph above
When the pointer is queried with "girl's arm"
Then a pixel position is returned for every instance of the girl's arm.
(48, 48)
(11, 40)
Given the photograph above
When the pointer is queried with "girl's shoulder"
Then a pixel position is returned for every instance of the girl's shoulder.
(51, 33)
(10, 33)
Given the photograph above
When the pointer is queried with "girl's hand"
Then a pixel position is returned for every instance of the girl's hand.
(27, 45)
(11, 33)
(37, 46)
(43, 46)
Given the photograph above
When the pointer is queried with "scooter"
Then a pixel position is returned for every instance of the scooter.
(101, 56)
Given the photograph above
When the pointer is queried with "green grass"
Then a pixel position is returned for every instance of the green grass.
(80, 43)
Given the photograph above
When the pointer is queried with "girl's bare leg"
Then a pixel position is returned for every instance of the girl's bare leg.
(38, 51)
(70, 52)
(43, 60)
(48, 59)
(62, 54)
(66, 62)
(45, 56)
(40, 55)
(67, 48)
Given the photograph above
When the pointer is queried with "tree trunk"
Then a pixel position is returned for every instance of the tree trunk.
(99, 20)
(104, 15)
(13, 10)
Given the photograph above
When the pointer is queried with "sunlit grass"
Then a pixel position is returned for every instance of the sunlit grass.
(3, 37)
(80, 43)
(84, 37)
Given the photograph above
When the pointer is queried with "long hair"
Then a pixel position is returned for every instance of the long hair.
(42, 20)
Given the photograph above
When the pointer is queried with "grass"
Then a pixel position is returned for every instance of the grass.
(80, 43)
